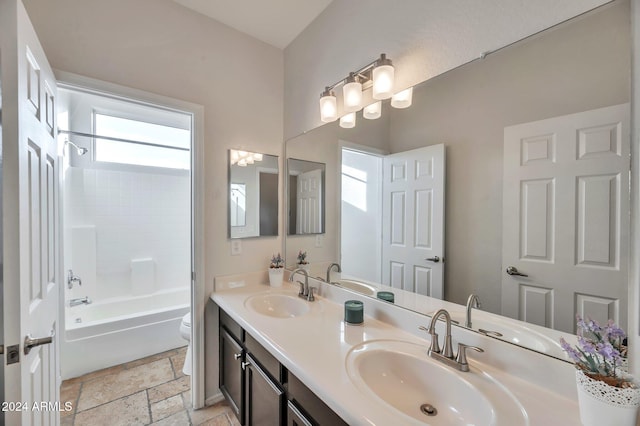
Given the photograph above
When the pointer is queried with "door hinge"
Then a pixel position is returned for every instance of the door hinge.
(1, 349)
(193, 276)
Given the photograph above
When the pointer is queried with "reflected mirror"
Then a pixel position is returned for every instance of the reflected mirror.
(536, 155)
(253, 194)
(305, 190)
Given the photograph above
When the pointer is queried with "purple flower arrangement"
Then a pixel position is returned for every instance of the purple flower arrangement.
(600, 352)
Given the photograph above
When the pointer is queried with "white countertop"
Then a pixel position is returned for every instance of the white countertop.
(314, 348)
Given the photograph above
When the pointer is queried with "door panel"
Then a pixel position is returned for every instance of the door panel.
(413, 186)
(565, 204)
(30, 210)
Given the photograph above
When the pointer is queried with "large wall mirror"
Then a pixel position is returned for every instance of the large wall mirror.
(531, 144)
(253, 194)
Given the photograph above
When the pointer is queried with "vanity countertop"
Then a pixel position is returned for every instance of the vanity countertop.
(314, 347)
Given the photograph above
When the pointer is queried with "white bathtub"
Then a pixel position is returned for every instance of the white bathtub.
(120, 330)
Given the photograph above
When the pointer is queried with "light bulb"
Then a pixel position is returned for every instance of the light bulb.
(373, 111)
(233, 156)
(328, 107)
(352, 93)
(383, 78)
(402, 99)
(257, 157)
(348, 121)
(242, 162)
(249, 159)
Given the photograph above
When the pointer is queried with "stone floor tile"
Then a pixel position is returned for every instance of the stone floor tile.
(166, 407)
(128, 411)
(186, 397)
(207, 413)
(123, 383)
(234, 420)
(166, 390)
(179, 419)
(66, 421)
(178, 362)
(221, 420)
(69, 392)
(95, 374)
(151, 358)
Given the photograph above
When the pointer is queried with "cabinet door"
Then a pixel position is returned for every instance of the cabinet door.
(231, 372)
(295, 417)
(265, 400)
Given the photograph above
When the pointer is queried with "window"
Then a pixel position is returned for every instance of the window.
(141, 143)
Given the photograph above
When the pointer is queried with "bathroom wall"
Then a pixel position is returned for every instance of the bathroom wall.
(423, 38)
(123, 223)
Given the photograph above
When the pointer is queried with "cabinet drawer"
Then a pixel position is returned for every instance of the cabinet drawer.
(232, 327)
(266, 360)
(311, 404)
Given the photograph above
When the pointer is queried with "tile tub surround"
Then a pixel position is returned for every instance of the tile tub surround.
(314, 347)
(148, 391)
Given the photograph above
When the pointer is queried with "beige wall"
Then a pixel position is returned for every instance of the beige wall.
(163, 48)
(423, 38)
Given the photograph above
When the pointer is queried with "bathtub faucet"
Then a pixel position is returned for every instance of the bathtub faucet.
(72, 279)
(79, 301)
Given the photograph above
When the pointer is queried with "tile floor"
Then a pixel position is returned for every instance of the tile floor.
(148, 391)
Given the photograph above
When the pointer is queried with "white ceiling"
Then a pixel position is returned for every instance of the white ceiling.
(276, 22)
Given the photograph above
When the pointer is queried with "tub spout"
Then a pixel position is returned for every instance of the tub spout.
(80, 301)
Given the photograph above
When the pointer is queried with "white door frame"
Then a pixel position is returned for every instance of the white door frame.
(198, 297)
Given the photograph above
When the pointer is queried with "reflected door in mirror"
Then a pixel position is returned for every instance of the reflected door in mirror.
(413, 220)
(565, 214)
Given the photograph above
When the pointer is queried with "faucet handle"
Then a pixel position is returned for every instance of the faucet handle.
(462, 354)
(435, 347)
(301, 292)
(310, 297)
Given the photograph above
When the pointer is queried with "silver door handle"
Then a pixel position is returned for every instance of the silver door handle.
(512, 270)
(237, 356)
(434, 259)
(30, 342)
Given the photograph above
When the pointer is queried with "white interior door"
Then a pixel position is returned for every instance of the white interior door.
(413, 220)
(30, 218)
(309, 220)
(566, 218)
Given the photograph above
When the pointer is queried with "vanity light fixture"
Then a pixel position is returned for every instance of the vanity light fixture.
(352, 93)
(243, 158)
(383, 78)
(402, 99)
(328, 106)
(348, 121)
(373, 111)
(378, 75)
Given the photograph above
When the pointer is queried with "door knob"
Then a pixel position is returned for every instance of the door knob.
(434, 259)
(30, 342)
(512, 270)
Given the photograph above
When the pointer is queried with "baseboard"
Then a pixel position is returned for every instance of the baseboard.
(214, 399)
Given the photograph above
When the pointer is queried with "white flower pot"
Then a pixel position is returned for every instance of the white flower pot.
(601, 404)
(276, 275)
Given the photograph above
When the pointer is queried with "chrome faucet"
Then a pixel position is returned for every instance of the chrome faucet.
(446, 355)
(305, 291)
(79, 301)
(72, 279)
(339, 269)
(472, 302)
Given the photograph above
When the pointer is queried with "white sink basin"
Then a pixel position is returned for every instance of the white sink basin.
(513, 331)
(361, 288)
(277, 305)
(402, 375)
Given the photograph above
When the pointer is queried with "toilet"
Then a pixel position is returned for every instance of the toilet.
(185, 332)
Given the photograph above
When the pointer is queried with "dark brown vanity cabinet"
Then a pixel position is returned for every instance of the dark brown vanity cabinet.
(250, 377)
(259, 389)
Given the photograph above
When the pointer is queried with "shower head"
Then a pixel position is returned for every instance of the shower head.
(79, 150)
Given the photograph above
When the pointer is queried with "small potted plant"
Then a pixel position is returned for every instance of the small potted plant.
(606, 393)
(276, 270)
(302, 260)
